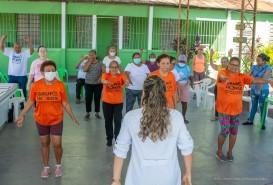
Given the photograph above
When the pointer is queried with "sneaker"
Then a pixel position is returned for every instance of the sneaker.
(58, 171)
(109, 143)
(248, 122)
(222, 157)
(263, 127)
(45, 172)
(98, 116)
(87, 117)
(78, 101)
(186, 121)
(230, 158)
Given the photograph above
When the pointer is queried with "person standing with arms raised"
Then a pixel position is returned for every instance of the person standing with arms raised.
(17, 69)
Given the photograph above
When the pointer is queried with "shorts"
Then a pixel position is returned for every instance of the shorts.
(56, 129)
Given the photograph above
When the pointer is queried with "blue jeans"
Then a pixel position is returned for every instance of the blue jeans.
(255, 99)
(131, 96)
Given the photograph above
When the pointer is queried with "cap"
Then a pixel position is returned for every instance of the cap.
(182, 58)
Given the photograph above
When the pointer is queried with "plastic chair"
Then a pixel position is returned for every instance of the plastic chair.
(247, 98)
(63, 74)
(201, 90)
(4, 78)
(16, 102)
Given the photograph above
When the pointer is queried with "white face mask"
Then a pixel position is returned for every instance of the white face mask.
(112, 54)
(152, 59)
(49, 76)
(181, 64)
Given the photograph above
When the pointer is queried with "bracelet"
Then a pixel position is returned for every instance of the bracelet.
(116, 180)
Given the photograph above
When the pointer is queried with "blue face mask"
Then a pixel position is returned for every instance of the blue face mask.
(137, 60)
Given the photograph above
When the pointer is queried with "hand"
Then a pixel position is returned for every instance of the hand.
(26, 39)
(230, 52)
(223, 78)
(211, 53)
(164, 50)
(116, 183)
(126, 83)
(28, 87)
(186, 179)
(141, 50)
(4, 36)
(20, 121)
(75, 122)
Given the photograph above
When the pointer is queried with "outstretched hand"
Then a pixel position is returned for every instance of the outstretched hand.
(4, 36)
(75, 122)
(26, 39)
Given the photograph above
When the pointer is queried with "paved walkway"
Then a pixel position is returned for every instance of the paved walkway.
(88, 161)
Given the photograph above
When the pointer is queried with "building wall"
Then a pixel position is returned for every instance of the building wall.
(211, 24)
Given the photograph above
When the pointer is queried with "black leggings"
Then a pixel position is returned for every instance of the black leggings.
(112, 112)
(90, 90)
(215, 93)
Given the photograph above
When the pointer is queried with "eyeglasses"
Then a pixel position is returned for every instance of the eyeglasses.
(114, 67)
(232, 65)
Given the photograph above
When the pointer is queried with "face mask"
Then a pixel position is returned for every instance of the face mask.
(49, 76)
(137, 60)
(152, 59)
(112, 54)
(181, 64)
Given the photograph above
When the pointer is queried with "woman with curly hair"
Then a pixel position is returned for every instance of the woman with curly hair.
(155, 131)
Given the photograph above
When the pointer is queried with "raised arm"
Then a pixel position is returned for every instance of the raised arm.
(214, 66)
(261, 81)
(2, 47)
(31, 50)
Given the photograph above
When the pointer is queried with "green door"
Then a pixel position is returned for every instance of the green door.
(104, 36)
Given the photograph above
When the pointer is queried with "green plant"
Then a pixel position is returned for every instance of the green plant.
(268, 50)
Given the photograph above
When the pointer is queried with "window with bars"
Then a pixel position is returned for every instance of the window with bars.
(28, 25)
(79, 31)
(165, 31)
(135, 32)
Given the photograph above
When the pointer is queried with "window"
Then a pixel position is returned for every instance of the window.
(28, 25)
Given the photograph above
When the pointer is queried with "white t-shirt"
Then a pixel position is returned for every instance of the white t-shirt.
(81, 73)
(137, 75)
(176, 75)
(106, 61)
(17, 62)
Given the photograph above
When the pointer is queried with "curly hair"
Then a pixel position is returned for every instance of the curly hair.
(155, 122)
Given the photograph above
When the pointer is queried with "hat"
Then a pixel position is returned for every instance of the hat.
(201, 47)
(182, 58)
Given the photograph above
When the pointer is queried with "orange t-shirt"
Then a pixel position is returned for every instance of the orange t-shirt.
(199, 64)
(113, 93)
(170, 86)
(49, 98)
(230, 93)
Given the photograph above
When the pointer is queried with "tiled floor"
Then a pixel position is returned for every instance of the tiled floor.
(88, 161)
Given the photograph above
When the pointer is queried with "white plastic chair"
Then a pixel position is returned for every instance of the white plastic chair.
(247, 98)
(201, 90)
(16, 101)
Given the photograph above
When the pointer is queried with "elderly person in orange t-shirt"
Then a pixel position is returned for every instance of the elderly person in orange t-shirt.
(163, 61)
(230, 87)
(50, 97)
(112, 100)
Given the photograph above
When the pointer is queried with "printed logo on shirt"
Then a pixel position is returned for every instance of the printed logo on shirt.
(234, 88)
(16, 59)
(169, 86)
(115, 87)
(48, 97)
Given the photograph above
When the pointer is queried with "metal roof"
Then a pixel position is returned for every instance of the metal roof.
(263, 5)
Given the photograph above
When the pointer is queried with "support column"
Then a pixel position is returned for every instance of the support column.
(229, 37)
(94, 32)
(120, 32)
(150, 28)
(63, 21)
